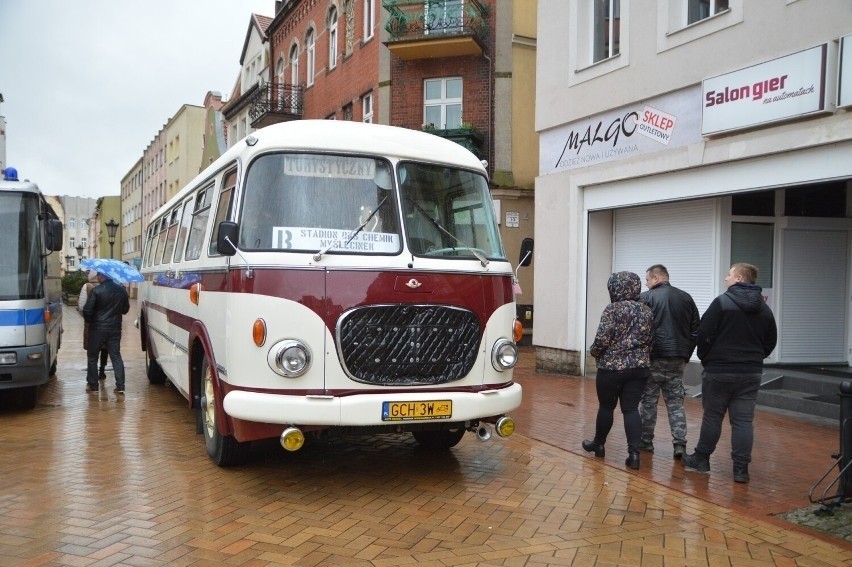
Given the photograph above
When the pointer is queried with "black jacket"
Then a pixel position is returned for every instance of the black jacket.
(675, 321)
(105, 306)
(737, 331)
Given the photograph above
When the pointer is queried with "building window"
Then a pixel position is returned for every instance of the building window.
(698, 10)
(442, 103)
(753, 243)
(310, 49)
(71, 222)
(348, 112)
(446, 16)
(83, 242)
(367, 109)
(369, 19)
(71, 242)
(332, 38)
(606, 23)
(294, 65)
(279, 70)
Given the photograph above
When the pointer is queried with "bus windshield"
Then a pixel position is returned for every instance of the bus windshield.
(20, 258)
(448, 212)
(312, 202)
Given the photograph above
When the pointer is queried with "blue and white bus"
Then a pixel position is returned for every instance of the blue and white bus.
(30, 290)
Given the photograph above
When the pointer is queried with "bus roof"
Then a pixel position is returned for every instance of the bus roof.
(341, 136)
(20, 186)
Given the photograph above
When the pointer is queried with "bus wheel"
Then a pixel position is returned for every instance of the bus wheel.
(224, 450)
(153, 369)
(441, 439)
(52, 371)
(28, 397)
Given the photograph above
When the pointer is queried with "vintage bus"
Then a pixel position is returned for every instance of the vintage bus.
(30, 290)
(329, 277)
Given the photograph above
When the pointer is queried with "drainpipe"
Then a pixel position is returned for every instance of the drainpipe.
(490, 133)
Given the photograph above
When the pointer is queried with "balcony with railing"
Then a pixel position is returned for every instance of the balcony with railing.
(274, 103)
(436, 28)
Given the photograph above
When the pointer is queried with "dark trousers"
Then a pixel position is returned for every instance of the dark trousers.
(736, 395)
(623, 388)
(112, 341)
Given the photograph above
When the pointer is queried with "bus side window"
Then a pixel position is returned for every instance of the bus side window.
(186, 217)
(223, 210)
(155, 237)
(171, 235)
(200, 214)
(161, 240)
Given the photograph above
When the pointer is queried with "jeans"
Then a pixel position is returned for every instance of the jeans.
(624, 388)
(735, 394)
(112, 340)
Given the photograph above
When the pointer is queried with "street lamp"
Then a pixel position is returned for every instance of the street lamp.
(112, 226)
(80, 253)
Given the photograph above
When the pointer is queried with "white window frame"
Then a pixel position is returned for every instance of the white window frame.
(369, 19)
(672, 28)
(333, 17)
(367, 108)
(311, 55)
(444, 101)
(611, 28)
(71, 222)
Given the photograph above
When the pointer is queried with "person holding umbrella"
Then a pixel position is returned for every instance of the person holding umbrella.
(104, 309)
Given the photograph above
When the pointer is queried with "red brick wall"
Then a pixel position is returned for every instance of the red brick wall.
(354, 75)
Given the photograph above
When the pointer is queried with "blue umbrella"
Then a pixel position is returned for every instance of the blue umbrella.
(115, 270)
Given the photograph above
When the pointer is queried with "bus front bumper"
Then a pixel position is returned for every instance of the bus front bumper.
(365, 409)
(30, 368)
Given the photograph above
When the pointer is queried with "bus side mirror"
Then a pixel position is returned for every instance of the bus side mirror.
(526, 252)
(53, 235)
(227, 237)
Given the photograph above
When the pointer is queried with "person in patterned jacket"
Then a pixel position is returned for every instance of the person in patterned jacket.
(622, 349)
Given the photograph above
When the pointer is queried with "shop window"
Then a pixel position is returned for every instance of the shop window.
(758, 204)
(823, 200)
(752, 243)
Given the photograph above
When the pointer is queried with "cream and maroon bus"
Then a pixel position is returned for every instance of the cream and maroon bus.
(330, 277)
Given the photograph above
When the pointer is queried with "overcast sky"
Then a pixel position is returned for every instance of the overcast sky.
(88, 84)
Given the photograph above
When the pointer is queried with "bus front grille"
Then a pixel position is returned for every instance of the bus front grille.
(407, 345)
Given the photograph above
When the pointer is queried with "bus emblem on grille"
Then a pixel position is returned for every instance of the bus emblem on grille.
(413, 283)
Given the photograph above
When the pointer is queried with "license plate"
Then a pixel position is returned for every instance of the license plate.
(428, 409)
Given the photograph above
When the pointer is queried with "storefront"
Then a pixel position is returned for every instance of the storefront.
(754, 165)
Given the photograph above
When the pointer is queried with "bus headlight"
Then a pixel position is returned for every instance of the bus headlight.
(504, 355)
(289, 358)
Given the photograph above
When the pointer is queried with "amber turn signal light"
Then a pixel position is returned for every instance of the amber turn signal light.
(517, 331)
(258, 332)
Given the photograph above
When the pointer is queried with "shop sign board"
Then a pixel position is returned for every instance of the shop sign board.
(844, 84)
(645, 127)
(781, 89)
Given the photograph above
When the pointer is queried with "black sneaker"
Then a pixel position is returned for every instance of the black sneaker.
(679, 451)
(696, 462)
(90, 388)
(741, 472)
(646, 446)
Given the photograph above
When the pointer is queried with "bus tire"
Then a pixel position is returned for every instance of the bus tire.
(440, 439)
(224, 450)
(52, 371)
(153, 369)
(28, 397)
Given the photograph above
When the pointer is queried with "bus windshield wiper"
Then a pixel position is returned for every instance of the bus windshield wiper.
(352, 234)
(479, 256)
